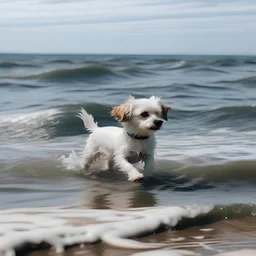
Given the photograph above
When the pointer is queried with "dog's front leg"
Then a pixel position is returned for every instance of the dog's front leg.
(129, 169)
(149, 165)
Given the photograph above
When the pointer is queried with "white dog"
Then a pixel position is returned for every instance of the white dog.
(133, 143)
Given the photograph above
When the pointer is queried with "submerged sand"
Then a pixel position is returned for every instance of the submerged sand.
(142, 231)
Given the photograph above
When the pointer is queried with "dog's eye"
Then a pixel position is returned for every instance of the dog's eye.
(144, 114)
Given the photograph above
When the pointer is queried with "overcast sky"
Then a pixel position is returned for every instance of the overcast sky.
(128, 26)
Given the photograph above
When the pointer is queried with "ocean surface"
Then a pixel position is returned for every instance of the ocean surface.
(206, 152)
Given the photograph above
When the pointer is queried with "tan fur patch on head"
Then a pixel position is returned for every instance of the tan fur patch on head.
(122, 113)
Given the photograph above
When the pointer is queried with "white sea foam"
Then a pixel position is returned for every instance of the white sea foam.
(72, 162)
(179, 64)
(75, 162)
(165, 253)
(27, 125)
(244, 252)
(59, 227)
(28, 117)
(206, 229)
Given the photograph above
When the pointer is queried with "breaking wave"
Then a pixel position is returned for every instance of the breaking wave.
(83, 74)
(42, 228)
(61, 121)
(180, 65)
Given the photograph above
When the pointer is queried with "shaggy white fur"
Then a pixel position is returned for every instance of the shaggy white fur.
(135, 142)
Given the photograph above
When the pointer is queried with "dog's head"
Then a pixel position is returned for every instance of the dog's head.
(144, 115)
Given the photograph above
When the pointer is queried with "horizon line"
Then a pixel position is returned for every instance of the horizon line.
(130, 54)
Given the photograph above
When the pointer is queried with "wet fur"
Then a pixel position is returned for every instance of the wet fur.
(119, 148)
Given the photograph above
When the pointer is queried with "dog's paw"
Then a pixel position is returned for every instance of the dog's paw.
(136, 177)
(139, 179)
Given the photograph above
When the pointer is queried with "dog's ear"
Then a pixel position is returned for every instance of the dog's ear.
(122, 113)
(165, 110)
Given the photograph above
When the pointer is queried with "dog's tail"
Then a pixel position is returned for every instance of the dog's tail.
(88, 120)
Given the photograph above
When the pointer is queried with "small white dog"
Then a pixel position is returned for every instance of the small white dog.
(131, 144)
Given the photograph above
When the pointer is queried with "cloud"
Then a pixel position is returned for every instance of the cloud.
(114, 19)
(32, 13)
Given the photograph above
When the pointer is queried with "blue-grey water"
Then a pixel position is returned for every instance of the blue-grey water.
(206, 151)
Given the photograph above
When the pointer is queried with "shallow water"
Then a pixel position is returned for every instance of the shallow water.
(206, 152)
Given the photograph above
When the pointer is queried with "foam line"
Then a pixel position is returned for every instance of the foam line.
(61, 227)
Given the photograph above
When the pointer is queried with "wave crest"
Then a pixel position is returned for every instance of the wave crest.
(83, 74)
(54, 227)
(62, 121)
(16, 65)
(247, 80)
(228, 62)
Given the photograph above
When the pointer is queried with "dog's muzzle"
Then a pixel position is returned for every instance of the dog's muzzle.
(157, 125)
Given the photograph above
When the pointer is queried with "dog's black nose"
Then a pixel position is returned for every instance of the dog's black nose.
(158, 123)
